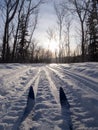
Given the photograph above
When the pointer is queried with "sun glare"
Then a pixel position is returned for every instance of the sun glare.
(53, 46)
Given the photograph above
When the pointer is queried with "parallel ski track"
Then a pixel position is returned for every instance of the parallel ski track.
(16, 74)
(87, 84)
(60, 82)
(31, 80)
(88, 77)
(71, 95)
(47, 82)
(28, 119)
(77, 107)
(8, 74)
(46, 103)
(83, 78)
(20, 78)
(53, 88)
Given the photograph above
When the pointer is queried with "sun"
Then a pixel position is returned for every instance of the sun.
(53, 46)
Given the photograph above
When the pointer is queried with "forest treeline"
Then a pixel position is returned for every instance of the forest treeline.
(19, 22)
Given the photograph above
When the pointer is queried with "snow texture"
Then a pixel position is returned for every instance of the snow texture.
(20, 110)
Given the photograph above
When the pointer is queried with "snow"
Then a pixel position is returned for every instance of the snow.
(80, 84)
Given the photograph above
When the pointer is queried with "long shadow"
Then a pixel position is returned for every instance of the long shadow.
(65, 115)
(65, 110)
(28, 109)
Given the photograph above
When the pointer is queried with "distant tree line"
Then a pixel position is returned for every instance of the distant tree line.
(19, 22)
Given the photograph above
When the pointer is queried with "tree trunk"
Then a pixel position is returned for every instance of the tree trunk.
(83, 44)
(5, 42)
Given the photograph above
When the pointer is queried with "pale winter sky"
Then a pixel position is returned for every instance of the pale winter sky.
(47, 19)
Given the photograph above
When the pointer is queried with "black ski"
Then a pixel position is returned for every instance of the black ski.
(65, 109)
(63, 99)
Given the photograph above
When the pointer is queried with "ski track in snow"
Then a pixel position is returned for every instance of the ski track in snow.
(83, 98)
(81, 91)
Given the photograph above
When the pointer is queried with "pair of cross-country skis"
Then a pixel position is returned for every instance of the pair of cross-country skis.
(65, 107)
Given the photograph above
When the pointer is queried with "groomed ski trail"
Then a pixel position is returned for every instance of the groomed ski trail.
(47, 111)
(81, 106)
(47, 114)
(16, 102)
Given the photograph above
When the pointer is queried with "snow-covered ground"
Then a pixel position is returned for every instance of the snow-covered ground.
(79, 81)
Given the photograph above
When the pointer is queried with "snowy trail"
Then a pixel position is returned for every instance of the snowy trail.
(91, 82)
(47, 112)
(15, 95)
(81, 97)
(53, 88)
(86, 84)
(80, 87)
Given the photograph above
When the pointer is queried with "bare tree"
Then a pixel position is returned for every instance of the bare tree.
(51, 33)
(33, 26)
(33, 48)
(28, 9)
(10, 10)
(60, 13)
(13, 10)
(17, 29)
(81, 9)
(67, 35)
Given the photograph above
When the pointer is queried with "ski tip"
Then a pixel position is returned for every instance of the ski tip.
(63, 98)
(62, 95)
(31, 93)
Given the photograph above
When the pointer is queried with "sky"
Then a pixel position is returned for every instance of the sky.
(48, 19)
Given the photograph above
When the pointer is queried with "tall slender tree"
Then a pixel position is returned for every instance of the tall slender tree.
(92, 24)
(10, 10)
(22, 38)
(60, 13)
(21, 5)
(80, 7)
